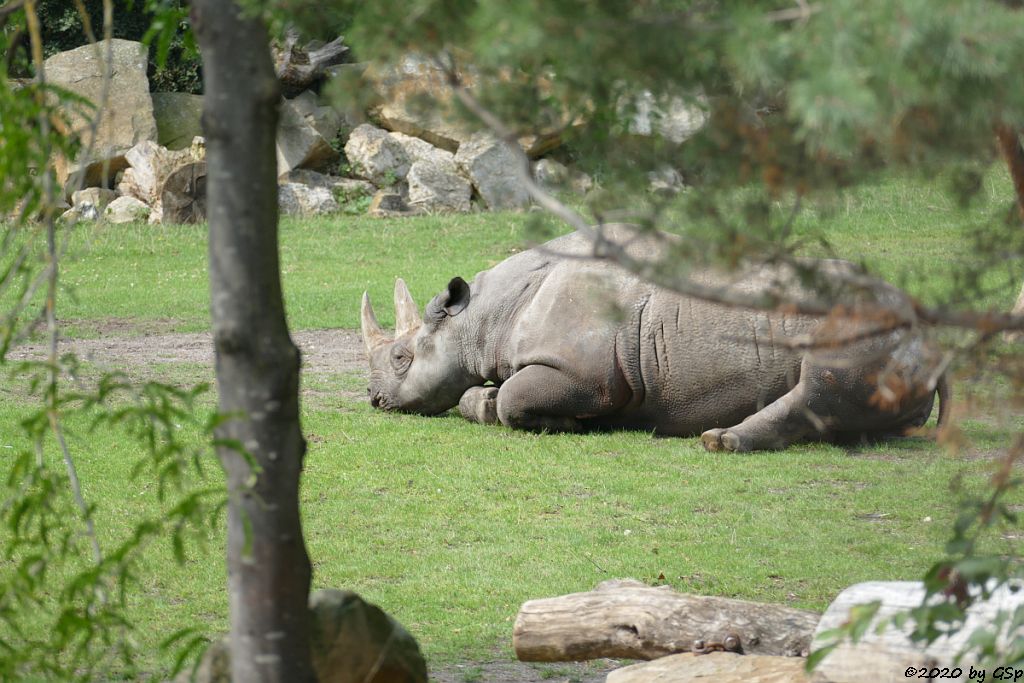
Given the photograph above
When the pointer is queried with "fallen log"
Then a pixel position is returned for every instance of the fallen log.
(628, 619)
(890, 655)
(299, 69)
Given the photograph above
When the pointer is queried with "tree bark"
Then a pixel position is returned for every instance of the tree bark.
(257, 363)
(886, 656)
(628, 619)
(1013, 153)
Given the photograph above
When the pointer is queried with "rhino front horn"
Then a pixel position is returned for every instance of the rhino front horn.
(373, 334)
(407, 314)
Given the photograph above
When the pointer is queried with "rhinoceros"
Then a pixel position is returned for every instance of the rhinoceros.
(551, 340)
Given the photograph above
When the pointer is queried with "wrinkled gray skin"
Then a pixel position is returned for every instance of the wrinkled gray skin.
(535, 343)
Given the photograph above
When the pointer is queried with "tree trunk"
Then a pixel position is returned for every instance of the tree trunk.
(1013, 153)
(625, 618)
(256, 362)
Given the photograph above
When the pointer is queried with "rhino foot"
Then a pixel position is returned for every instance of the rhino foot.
(479, 404)
(723, 440)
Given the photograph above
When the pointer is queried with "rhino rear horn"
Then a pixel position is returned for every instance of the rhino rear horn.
(373, 334)
(407, 314)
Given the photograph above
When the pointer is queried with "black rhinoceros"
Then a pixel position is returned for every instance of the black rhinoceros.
(552, 340)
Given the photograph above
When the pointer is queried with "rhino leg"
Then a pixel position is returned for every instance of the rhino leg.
(779, 424)
(480, 404)
(542, 398)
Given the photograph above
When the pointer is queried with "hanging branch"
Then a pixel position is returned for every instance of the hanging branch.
(985, 322)
(52, 273)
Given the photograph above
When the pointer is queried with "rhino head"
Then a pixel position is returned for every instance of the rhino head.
(421, 370)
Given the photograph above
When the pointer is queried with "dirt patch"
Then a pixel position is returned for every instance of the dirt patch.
(525, 672)
(325, 353)
(119, 327)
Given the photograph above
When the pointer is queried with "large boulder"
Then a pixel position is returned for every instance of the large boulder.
(493, 168)
(376, 156)
(418, 102)
(97, 197)
(126, 210)
(435, 184)
(126, 117)
(355, 642)
(417, 149)
(325, 119)
(296, 199)
(671, 118)
(299, 144)
(352, 641)
(178, 117)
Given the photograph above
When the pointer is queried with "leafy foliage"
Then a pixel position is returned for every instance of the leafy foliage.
(54, 560)
(802, 101)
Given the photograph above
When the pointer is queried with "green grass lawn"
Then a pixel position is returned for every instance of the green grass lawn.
(450, 526)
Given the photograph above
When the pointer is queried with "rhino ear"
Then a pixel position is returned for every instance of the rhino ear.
(448, 303)
(456, 298)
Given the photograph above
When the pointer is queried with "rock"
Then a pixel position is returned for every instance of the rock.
(126, 210)
(69, 216)
(214, 667)
(418, 102)
(553, 175)
(127, 117)
(665, 181)
(177, 117)
(150, 165)
(296, 199)
(417, 149)
(342, 188)
(354, 641)
(580, 182)
(97, 197)
(716, 667)
(299, 145)
(493, 169)
(435, 184)
(326, 120)
(183, 197)
(550, 174)
(376, 156)
(198, 148)
(387, 204)
(669, 117)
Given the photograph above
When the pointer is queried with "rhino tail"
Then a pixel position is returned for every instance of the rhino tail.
(945, 392)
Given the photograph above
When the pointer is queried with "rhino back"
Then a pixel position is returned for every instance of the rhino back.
(701, 365)
(656, 359)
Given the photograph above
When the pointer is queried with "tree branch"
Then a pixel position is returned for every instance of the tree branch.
(604, 248)
(52, 273)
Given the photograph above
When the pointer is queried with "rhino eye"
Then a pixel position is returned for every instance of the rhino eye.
(401, 359)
